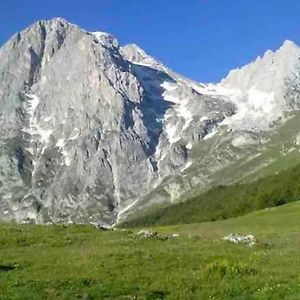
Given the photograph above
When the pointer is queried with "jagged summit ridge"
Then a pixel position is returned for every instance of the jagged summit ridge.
(135, 54)
(260, 89)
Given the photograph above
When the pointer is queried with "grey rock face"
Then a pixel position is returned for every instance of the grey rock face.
(90, 131)
(82, 127)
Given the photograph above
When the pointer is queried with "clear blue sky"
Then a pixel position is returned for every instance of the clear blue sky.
(202, 39)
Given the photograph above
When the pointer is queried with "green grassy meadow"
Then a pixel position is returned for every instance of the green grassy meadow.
(80, 262)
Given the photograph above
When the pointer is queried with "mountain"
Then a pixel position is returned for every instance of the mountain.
(224, 202)
(94, 132)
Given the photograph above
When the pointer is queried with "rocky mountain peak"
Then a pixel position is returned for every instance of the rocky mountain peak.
(106, 39)
(262, 89)
(137, 55)
(288, 44)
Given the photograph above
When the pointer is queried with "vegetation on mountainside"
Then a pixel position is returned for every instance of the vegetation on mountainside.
(222, 202)
(80, 262)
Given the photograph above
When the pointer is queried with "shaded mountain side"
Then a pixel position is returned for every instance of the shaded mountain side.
(222, 202)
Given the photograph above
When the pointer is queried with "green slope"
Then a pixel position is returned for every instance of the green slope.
(269, 223)
(79, 262)
(226, 201)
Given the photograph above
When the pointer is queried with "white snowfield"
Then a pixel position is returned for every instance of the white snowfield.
(258, 91)
(32, 104)
(33, 127)
(182, 111)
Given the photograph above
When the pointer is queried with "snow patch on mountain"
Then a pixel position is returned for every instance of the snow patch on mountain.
(32, 104)
(256, 110)
(187, 165)
(189, 146)
(105, 39)
(211, 134)
(260, 89)
(182, 111)
(33, 127)
(67, 157)
(61, 143)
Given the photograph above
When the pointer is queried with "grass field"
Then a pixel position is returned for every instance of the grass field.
(80, 262)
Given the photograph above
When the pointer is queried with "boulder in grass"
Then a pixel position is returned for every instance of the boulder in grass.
(241, 239)
(147, 233)
(102, 226)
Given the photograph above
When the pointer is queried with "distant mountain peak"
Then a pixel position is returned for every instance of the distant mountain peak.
(289, 43)
(106, 39)
(59, 20)
(136, 54)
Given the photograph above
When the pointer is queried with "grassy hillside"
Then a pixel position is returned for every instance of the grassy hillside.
(79, 262)
(223, 202)
(266, 224)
